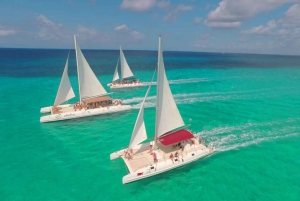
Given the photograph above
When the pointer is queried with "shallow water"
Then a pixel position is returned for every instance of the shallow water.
(247, 105)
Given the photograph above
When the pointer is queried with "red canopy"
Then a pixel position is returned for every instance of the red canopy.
(175, 137)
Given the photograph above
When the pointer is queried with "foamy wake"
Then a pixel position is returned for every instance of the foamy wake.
(186, 98)
(182, 81)
(234, 137)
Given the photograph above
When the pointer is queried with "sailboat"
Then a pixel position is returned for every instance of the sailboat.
(173, 145)
(64, 93)
(93, 100)
(127, 78)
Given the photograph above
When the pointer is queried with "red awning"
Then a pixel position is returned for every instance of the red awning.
(175, 137)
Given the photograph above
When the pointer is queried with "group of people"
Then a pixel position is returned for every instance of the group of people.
(83, 105)
(127, 82)
(176, 156)
(79, 106)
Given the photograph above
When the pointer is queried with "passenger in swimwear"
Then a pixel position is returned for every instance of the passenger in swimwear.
(172, 158)
(150, 149)
(154, 157)
(181, 147)
(177, 155)
(131, 151)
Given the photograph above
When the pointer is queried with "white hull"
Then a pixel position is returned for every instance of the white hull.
(130, 85)
(164, 164)
(49, 108)
(84, 113)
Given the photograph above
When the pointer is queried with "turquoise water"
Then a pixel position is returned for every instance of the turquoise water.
(248, 106)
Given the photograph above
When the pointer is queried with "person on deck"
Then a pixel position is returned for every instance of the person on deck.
(177, 155)
(150, 148)
(154, 157)
(172, 158)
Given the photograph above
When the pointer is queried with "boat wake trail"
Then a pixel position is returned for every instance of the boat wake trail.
(182, 81)
(229, 138)
(187, 98)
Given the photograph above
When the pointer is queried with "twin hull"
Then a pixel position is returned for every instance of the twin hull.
(119, 86)
(84, 113)
(49, 108)
(162, 165)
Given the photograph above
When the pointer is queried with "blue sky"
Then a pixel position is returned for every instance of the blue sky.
(245, 26)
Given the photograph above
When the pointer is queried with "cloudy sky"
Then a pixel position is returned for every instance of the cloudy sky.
(246, 26)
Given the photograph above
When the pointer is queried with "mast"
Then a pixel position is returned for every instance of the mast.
(116, 74)
(139, 133)
(76, 52)
(156, 119)
(89, 85)
(65, 91)
(168, 116)
(125, 69)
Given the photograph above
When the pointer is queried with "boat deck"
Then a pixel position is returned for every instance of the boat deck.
(142, 157)
(71, 109)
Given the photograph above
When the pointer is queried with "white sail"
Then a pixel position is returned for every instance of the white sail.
(89, 85)
(139, 133)
(167, 114)
(125, 70)
(116, 74)
(65, 91)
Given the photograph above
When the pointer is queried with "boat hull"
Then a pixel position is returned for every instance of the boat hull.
(49, 108)
(84, 113)
(120, 86)
(166, 165)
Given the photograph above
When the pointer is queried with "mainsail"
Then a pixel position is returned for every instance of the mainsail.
(65, 91)
(89, 85)
(116, 74)
(139, 133)
(168, 117)
(125, 70)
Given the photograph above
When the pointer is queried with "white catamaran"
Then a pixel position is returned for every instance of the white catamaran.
(127, 77)
(173, 145)
(94, 99)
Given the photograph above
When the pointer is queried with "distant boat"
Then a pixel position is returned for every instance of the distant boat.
(173, 144)
(94, 99)
(127, 78)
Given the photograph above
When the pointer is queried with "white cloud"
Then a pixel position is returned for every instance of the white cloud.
(86, 31)
(91, 35)
(197, 20)
(291, 16)
(50, 30)
(137, 35)
(263, 29)
(137, 5)
(128, 35)
(121, 28)
(222, 24)
(173, 14)
(204, 41)
(6, 32)
(285, 32)
(163, 4)
(231, 13)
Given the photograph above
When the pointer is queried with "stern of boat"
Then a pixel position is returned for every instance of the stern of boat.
(115, 155)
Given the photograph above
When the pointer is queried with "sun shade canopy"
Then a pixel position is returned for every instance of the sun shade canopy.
(175, 137)
(97, 99)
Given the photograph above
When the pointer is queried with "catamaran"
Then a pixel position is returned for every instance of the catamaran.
(127, 78)
(94, 99)
(173, 145)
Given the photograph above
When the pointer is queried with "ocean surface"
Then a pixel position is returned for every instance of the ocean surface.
(247, 105)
